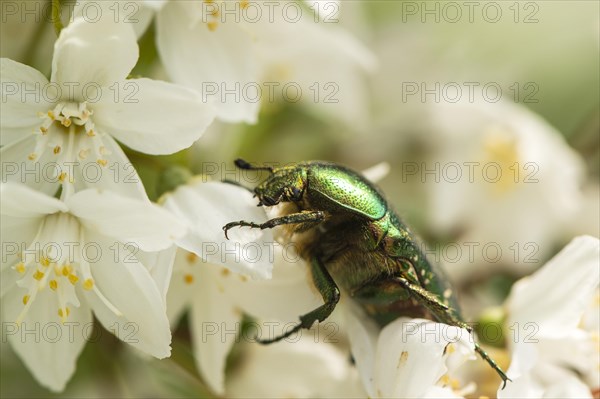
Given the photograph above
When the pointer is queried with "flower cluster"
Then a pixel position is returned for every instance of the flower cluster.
(116, 140)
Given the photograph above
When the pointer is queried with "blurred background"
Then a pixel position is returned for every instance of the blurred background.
(453, 93)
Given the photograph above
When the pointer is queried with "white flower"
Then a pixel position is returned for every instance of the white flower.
(62, 260)
(228, 50)
(300, 369)
(514, 170)
(71, 121)
(408, 358)
(217, 299)
(555, 349)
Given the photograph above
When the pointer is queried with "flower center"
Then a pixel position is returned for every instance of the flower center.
(56, 259)
(502, 166)
(212, 13)
(67, 136)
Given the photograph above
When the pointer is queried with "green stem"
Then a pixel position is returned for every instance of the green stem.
(58, 25)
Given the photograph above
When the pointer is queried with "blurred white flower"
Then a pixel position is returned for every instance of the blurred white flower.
(69, 122)
(299, 369)
(96, 251)
(553, 316)
(502, 177)
(240, 54)
(408, 358)
(217, 299)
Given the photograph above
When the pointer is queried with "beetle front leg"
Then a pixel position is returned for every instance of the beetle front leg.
(294, 218)
(330, 293)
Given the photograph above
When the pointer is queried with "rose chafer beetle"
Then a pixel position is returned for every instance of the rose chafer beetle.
(353, 240)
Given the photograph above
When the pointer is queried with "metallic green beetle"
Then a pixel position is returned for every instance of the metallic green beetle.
(345, 228)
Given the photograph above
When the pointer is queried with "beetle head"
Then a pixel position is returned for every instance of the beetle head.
(284, 185)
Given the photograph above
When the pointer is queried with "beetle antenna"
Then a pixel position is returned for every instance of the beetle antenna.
(240, 163)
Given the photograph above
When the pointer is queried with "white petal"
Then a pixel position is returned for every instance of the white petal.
(327, 63)
(17, 234)
(377, 172)
(210, 62)
(100, 53)
(410, 356)
(321, 370)
(362, 333)
(153, 117)
(524, 386)
(22, 99)
(567, 283)
(118, 175)
(160, 266)
(207, 207)
(284, 297)
(546, 381)
(215, 323)
(140, 223)
(129, 287)
(39, 174)
(155, 5)
(18, 200)
(48, 347)
(137, 14)
(180, 293)
(327, 10)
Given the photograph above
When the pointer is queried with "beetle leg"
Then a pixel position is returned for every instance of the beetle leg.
(294, 218)
(444, 314)
(427, 298)
(330, 293)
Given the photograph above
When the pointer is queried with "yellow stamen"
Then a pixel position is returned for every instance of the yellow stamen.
(91, 133)
(102, 162)
(191, 257)
(43, 130)
(51, 115)
(88, 284)
(38, 275)
(26, 299)
(66, 270)
(73, 278)
(53, 285)
(32, 156)
(45, 261)
(188, 278)
(84, 153)
(65, 313)
(57, 149)
(244, 3)
(445, 380)
(450, 349)
(212, 25)
(20, 267)
(62, 177)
